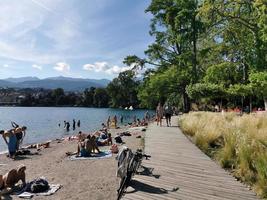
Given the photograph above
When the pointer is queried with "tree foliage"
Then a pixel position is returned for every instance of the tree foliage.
(212, 49)
(123, 90)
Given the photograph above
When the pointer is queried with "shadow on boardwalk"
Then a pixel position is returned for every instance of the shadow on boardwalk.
(139, 186)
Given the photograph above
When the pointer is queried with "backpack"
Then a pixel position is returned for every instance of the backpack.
(37, 186)
(118, 139)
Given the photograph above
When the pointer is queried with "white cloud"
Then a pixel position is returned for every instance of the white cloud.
(104, 67)
(37, 66)
(97, 67)
(5, 65)
(62, 67)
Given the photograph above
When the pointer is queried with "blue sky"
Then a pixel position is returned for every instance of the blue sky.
(75, 38)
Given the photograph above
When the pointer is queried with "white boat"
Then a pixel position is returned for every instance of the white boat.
(130, 108)
(126, 108)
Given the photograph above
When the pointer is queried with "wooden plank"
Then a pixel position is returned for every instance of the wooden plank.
(179, 163)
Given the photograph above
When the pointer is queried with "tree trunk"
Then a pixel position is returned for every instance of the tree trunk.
(265, 103)
(186, 102)
(250, 104)
(194, 59)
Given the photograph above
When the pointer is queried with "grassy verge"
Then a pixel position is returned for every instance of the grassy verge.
(237, 143)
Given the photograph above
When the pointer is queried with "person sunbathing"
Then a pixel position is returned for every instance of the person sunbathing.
(94, 144)
(102, 141)
(81, 136)
(10, 179)
(84, 148)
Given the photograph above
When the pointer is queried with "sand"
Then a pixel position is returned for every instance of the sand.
(82, 179)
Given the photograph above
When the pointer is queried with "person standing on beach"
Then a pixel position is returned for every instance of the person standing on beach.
(73, 124)
(159, 114)
(68, 126)
(108, 122)
(121, 119)
(65, 124)
(11, 142)
(19, 132)
(115, 121)
(134, 120)
(146, 117)
(79, 123)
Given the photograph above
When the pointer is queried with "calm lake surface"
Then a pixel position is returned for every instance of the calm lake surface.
(42, 122)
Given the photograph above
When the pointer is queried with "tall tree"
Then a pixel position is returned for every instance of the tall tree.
(123, 90)
(176, 28)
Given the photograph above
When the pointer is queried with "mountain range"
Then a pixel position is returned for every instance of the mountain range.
(67, 83)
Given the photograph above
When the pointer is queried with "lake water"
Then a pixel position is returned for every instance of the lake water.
(42, 122)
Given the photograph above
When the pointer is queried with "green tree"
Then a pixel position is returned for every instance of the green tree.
(177, 29)
(89, 96)
(101, 98)
(242, 27)
(259, 85)
(123, 90)
(58, 96)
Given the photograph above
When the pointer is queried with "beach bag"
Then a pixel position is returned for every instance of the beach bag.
(114, 148)
(118, 139)
(37, 186)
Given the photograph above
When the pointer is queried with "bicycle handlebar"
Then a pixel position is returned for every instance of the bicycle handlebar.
(146, 156)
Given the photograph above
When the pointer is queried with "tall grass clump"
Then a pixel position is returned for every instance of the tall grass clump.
(238, 143)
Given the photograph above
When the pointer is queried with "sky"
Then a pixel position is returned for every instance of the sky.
(73, 38)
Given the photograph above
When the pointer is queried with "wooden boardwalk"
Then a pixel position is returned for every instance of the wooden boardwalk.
(179, 170)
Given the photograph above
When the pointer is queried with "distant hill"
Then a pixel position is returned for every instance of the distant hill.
(21, 79)
(67, 83)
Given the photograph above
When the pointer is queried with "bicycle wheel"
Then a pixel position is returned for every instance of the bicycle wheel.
(124, 184)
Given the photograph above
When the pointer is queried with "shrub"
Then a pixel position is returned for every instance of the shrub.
(238, 143)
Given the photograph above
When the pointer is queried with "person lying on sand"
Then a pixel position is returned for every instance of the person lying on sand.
(11, 142)
(39, 146)
(10, 179)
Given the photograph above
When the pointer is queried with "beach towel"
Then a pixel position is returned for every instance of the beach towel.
(103, 154)
(52, 189)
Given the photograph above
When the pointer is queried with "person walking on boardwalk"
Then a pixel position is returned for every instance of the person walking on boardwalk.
(159, 114)
(168, 113)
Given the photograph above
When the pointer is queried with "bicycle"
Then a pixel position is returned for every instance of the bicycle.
(134, 161)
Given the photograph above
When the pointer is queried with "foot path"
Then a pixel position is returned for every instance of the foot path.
(179, 170)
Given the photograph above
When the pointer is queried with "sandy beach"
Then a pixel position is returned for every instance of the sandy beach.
(81, 179)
